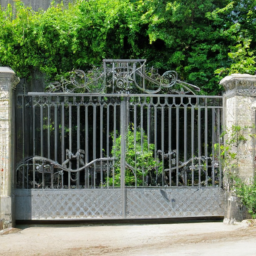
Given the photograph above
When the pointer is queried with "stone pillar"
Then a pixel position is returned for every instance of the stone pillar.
(8, 81)
(240, 110)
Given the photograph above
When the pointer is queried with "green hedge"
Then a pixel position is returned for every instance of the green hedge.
(203, 40)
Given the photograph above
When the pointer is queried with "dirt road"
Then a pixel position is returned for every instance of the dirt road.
(159, 239)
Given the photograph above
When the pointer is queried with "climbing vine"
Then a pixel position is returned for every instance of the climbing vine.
(245, 189)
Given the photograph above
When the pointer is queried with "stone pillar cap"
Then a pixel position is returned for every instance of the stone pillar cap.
(240, 84)
(6, 70)
(238, 77)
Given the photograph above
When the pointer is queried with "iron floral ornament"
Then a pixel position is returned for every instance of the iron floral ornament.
(125, 76)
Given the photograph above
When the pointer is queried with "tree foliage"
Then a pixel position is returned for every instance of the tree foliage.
(203, 40)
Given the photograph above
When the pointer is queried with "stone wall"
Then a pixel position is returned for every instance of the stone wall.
(36, 4)
(8, 81)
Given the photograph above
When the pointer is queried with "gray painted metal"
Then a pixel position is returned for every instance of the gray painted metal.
(108, 203)
(125, 75)
(118, 155)
(72, 160)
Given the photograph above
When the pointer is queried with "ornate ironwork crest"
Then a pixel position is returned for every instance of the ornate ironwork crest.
(123, 75)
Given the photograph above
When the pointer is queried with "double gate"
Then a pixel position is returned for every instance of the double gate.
(117, 155)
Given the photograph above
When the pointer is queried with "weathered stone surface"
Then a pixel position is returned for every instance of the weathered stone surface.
(235, 211)
(239, 84)
(240, 110)
(8, 81)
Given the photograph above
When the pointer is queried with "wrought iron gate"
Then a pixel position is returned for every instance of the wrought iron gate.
(118, 155)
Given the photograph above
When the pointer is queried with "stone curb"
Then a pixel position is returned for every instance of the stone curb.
(8, 231)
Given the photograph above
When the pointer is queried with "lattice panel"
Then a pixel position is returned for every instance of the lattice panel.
(107, 203)
(68, 204)
(174, 202)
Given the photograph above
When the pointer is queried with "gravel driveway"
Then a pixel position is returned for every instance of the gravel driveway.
(150, 239)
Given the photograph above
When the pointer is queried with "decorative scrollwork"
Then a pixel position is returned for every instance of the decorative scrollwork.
(122, 76)
(54, 171)
(194, 164)
(169, 79)
(43, 165)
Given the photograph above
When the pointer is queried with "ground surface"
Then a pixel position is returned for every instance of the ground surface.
(155, 239)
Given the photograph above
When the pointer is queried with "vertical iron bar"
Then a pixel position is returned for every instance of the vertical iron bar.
(56, 131)
(143, 78)
(148, 133)
(70, 142)
(101, 145)
(155, 140)
(113, 77)
(56, 135)
(123, 120)
(135, 141)
(213, 142)
(49, 132)
(177, 144)
(27, 174)
(127, 78)
(199, 145)
(218, 136)
(23, 141)
(105, 70)
(142, 140)
(41, 131)
(128, 113)
(42, 140)
(107, 142)
(162, 145)
(34, 141)
(170, 144)
(192, 142)
(34, 172)
(133, 71)
(113, 170)
(86, 172)
(148, 124)
(185, 141)
(51, 176)
(94, 143)
(206, 142)
(62, 139)
(49, 135)
(78, 145)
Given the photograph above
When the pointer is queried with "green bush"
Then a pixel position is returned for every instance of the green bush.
(140, 160)
(246, 191)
